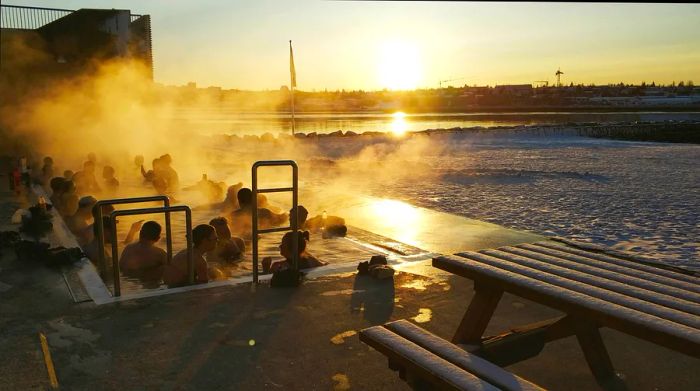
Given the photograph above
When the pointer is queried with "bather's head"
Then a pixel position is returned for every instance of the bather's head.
(288, 240)
(57, 184)
(204, 238)
(245, 197)
(302, 215)
(150, 232)
(108, 172)
(220, 224)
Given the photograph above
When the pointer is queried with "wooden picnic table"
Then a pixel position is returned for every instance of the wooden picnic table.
(591, 288)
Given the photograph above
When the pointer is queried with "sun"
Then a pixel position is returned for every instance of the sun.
(399, 65)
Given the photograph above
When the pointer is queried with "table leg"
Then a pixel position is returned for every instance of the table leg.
(478, 315)
(597, 356)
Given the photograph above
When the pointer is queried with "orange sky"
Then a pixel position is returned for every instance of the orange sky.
(397, 45)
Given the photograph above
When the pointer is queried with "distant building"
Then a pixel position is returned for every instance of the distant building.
(38, 44)
(514, 89)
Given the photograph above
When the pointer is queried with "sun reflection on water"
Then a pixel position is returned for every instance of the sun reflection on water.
(399, 126)
(400, 219)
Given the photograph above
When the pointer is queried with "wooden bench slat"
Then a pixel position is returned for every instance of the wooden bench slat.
(592, 291)
(692, 280)
(428, 366)
(652, 328)
(609, 274)
(471, 363)
(600, 281)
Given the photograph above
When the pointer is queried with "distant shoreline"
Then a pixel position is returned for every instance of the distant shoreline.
(687, 132)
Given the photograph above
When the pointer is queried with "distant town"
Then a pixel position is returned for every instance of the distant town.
(681, 96)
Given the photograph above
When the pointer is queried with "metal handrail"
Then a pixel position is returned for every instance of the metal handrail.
(295, 201)
(118, 201)
(166, 210)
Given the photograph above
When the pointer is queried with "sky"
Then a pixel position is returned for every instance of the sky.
(403, 45)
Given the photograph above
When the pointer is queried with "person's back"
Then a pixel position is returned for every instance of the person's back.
(176, 273)
(144, 257)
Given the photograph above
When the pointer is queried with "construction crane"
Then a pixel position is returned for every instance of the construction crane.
(542, 83)
(558, 75)
(449, 80)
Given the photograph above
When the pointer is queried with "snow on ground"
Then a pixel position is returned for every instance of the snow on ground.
(642, 197)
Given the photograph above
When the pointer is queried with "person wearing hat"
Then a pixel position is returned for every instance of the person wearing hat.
(80, 220)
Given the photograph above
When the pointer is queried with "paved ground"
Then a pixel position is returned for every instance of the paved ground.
(264, 338)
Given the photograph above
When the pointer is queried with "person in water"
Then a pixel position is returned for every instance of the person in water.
(111, 183)
(81, 219)
(304, 259)
(228, 248)
(85, 181)
(329, 225)
(213, 191)
(144, 259)
(46, 170)
(57, 187)
(68, 204)
(204, 239)
(92, 249)
(241, 219)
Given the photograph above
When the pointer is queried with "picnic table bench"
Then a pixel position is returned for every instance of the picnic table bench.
(428, 362)
(591, 288)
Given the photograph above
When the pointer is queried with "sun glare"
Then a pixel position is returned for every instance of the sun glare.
(400, 218)
(399, 66)
(398, 124)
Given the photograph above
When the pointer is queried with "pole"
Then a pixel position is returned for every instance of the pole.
(293, 82)
(293, 125)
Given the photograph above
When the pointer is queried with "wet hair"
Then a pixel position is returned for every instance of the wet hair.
(68, 185)
(56, 183)
(202, 232)
(107, 171)
(303, 214)
(150, 230)
(106, 226)
(287, 241)
(218, 221)
(245, 196)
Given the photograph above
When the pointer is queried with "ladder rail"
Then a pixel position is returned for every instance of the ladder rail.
(121, 201)
(142, 211)
(294, 227)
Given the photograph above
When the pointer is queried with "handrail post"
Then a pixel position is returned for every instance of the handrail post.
(190, 246)
(254, 213)
(168, 232)
(115, 257)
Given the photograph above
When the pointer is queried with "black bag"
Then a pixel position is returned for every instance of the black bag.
(286, 278)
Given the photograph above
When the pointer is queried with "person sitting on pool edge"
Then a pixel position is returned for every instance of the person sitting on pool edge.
(304, 259)
(204, 239)
(228, 248)
(144, 259)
